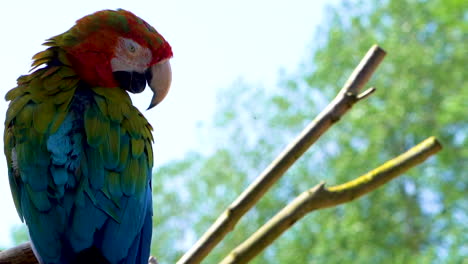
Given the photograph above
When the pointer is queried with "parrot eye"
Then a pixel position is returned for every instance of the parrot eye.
(130, 45)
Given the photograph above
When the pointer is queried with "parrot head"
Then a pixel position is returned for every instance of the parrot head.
(118, 49)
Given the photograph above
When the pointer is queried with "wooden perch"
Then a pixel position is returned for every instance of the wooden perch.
(346, 98)
(23, 254)
(320, 197)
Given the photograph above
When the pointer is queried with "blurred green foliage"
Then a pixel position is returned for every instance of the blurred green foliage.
(422, 91)
(19, 234)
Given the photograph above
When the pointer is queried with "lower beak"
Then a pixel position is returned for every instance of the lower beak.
(159, 80)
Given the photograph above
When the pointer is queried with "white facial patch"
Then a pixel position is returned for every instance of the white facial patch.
(130, 56)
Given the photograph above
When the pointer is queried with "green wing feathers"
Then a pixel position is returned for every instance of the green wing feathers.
(121, 137)
(117, 151)
(38, 106)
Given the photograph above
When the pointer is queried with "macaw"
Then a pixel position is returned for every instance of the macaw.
(79, 153)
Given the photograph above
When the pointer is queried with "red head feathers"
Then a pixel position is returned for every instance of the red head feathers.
(109, 42)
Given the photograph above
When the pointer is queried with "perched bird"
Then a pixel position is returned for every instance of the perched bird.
(79, 153)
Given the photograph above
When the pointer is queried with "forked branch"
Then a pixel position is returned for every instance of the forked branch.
(345, 99)
(320, 197)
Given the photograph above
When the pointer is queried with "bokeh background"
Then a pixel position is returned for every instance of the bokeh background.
(248, 76)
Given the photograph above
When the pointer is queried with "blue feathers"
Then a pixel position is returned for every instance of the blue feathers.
(115, 238)
(87, 218)
(74, 199)
(59, 143)
(139, 251)
(44, 228)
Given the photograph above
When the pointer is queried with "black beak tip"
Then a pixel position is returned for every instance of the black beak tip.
(153, 102)
(151, 106)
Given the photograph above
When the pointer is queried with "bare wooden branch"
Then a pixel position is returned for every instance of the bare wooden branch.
(320, 197)
(366, 93)
(345, 99)
(21, 254)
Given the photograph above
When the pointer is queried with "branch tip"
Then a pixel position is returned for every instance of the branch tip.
(366, 93)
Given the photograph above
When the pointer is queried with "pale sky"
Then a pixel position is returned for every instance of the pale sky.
(214, 43)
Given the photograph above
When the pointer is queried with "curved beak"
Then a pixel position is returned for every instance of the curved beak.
(159, 80)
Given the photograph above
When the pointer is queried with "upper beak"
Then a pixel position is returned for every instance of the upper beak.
(159, 81)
